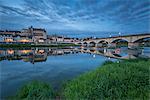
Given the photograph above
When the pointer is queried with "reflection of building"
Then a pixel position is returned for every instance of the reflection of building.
(40, 54)
(32, 55)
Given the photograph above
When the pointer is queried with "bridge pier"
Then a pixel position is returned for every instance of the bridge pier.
(112, 45)
(85, 45)
(96, 45)
(132, 45)
(99, 45)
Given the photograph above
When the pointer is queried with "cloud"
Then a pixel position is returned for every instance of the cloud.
(83, 15)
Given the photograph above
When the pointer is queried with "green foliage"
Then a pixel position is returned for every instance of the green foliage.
(33, 45)
(107, 62)
(126, 80)
(35, 91)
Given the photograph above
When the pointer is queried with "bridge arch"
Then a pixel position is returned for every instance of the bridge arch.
(85, 44)
(79, 43)
(120, 42)
(143, 41)
(92, 44)
(102, 43)
(139, 40)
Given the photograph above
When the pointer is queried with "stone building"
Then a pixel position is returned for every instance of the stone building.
(33, 36)
(29, 35)
(53, 39)
(8, 36)
(39, 35)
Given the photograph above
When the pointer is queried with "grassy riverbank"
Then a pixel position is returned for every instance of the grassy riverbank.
(33, 45)
(34, 90)
(125, 80)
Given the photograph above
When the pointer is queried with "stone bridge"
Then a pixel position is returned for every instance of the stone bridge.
(131, 40)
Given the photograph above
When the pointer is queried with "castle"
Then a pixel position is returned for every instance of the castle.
(32, 36)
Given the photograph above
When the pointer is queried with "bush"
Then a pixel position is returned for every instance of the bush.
(125, 80)
(35, 90)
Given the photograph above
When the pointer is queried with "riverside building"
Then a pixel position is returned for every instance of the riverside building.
(32, 36)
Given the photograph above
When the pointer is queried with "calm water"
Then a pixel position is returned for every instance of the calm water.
(55, 66)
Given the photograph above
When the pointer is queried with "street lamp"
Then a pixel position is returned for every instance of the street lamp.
(110, 35)
(119, 33)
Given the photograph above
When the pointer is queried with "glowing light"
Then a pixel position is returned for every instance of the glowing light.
(117, 51)
(93, 56)
(41, 40)
(41, 51)
(24, 40)
(8, 40)
(25, 51)
(10, 51)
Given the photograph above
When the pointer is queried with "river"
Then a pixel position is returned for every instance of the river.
(54, 65)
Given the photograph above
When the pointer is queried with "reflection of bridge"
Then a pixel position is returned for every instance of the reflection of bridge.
(40, 54)
(113, 53)
(132, 40)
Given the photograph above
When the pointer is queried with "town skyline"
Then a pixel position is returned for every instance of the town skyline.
(77, 34)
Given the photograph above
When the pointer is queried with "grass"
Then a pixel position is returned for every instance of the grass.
(126, 80)
(35, 90)
(107, 62)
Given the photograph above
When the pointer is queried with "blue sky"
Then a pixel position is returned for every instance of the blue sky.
(77, 17)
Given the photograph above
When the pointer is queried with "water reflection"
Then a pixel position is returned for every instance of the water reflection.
(119, 53)
(34, 55)
(19, 66)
